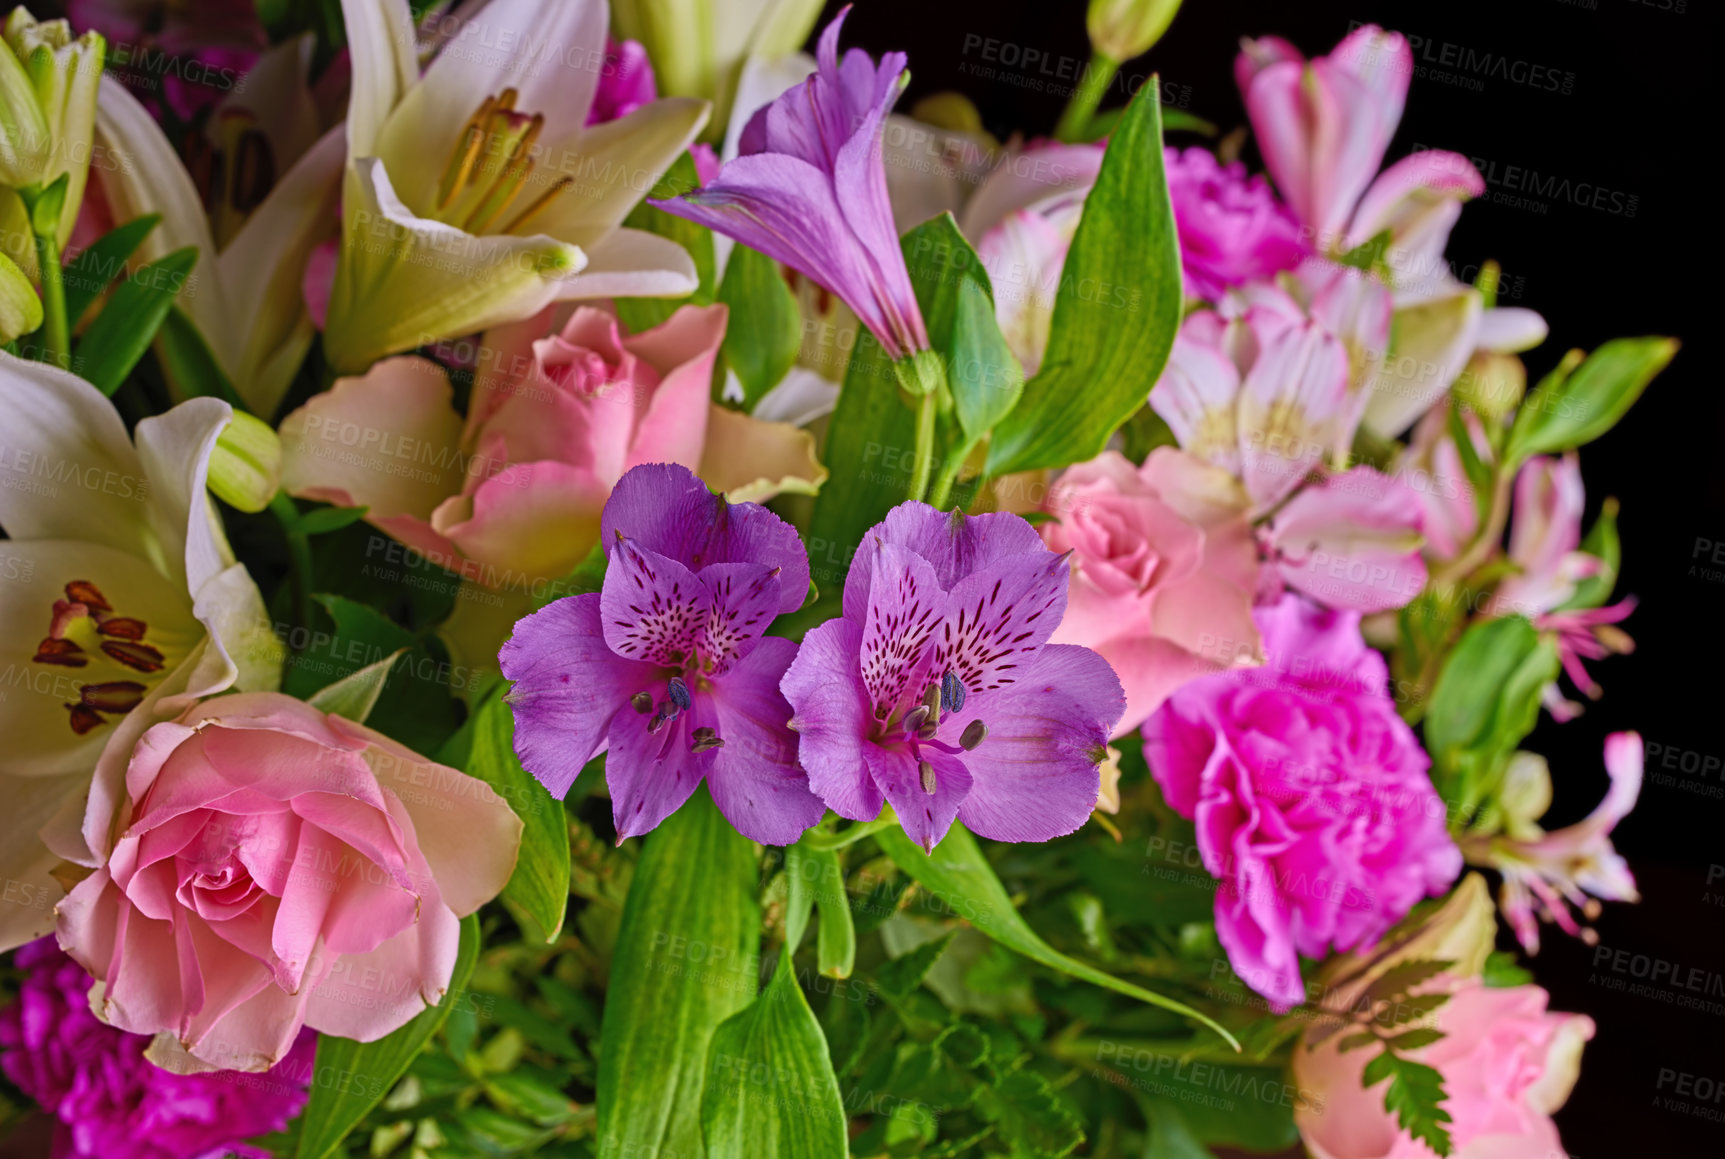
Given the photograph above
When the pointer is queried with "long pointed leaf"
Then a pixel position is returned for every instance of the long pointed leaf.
(124, 330)
(960, 875)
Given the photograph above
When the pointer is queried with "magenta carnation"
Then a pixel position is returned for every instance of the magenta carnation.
(1232, 228)
(1310, 795)
(111, 1102)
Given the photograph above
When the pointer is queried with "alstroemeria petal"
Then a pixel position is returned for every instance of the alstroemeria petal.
(666, 509)
(1431, 342)
(953, 543)
(1197, 396)
(754, 779)
(904, 612)
(833, 718)
(1035, 775)
(651, 774)
(925, 816)
(1352, 541)
(744, 601)
(568, 686)
(1290, 402)
(655, 609)
(997, 617)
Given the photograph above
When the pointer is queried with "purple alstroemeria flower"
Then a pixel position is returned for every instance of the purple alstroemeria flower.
(809, 190)
(666, 668)
(937, 688)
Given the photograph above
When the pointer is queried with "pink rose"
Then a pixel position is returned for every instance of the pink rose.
(279, 868)
(1310, 795)
(563, 404)
(1507, 1064)
(1164, 570)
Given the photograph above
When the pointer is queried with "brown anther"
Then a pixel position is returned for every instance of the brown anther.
(62, 652)
(974, 734)
(84, 719)
(138, 657)
(123, 627)
(113, 696)
(927, 731)
(926, 771)
(539, 203)
(86, 593)
(643, 702)
(916, 718)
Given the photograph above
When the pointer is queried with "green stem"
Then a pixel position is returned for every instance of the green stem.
(299, 556)
(1075, 121)
(830, 841)
(56, 332)
(941, 493)
(925, 414)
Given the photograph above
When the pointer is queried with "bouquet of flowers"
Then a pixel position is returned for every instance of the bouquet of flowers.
(579, 584)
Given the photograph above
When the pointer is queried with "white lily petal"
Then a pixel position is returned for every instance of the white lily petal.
(244, 651)
(274, 94)
(145, 175)
(613, 167)
(68, 471)
(175, 450)
(800, 398)
(384, 51)
(262, 270)
(550, 51)
(33, 695)
(30, 893)
(633, 263)
(405, 281)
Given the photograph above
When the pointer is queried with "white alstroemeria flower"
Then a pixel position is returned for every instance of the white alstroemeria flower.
(476, 194)
(120, 604)
(244, 297)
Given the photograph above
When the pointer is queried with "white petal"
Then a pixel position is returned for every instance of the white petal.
(67, 470)
(613, 166)
(404, 281)
(175, 450)
(27, 903)
(275, 94)
(633, 263)
(803, 396)
(380, 41)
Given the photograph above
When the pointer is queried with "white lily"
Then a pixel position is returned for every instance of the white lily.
(475, 194)
(121, 605)
(244, 297)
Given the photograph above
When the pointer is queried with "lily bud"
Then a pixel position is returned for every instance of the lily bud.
(245, 469)
(1123, 29)
(20, 308)
(48, 82)
(698, 46)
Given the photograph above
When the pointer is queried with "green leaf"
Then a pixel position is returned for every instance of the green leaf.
(1603, 544)
(638, 314)
(1355, 1041)
(1030, 1116)
(1416, 1038)
(1116, 312)
(355, 695)
(961, 876)
(324, 520)
(765, 328)
(353, 1077)
(685, 961)
(770, 1086)
(1414, 1096)
(1169, 1136)
(1404, 976)
(985, 378)
(539, 887)
(103, 260)
(1566, 412)
(903, 974)
(817, 879)
(1485, 701)
(118, 337)
(1501, 969)
(188, 363)
(1411, 1008)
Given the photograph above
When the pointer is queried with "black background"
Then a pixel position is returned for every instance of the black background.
(1639, 120)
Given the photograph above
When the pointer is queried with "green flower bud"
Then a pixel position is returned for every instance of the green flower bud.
(698, 46)
(20, 308)
(1123, 29)
(246, 467)
(48, 83)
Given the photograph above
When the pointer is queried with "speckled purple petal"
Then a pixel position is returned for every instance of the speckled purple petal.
(924, 816)
(654, 608)
(666, 509)
(997, 617)
(651, 774)
(754, 778)
(568, 686)
(1035, 775)
(906, 608)
(831, 718)
(953, 543)
(744, 599)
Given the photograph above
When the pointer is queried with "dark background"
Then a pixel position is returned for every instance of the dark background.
(1639, 120)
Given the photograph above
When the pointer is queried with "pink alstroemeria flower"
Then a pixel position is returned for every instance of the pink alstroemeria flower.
(809, 190)
(1544, 873)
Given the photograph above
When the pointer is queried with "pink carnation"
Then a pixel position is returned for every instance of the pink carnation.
(110, 1101)
(1232, 228)
(1310, 795)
